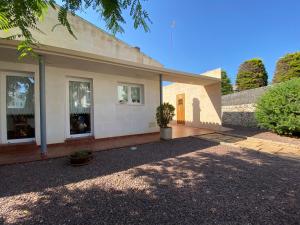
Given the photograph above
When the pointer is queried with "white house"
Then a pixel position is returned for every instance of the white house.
(95, 85)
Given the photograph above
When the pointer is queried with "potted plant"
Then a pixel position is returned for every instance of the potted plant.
(80, 158)
(164, 114)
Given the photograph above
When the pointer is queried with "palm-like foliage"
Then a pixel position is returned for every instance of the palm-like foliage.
(23, 16)
(164, 114)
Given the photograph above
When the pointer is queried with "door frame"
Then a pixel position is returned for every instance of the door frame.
(3, 104)
(67, 131)
(180, 96)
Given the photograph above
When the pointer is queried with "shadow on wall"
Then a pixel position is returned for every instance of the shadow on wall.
(196, 110)
(203, 187)
(244, 119)
(196, 122)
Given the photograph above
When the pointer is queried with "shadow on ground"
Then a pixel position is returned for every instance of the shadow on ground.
(36, 176)
(213, 185)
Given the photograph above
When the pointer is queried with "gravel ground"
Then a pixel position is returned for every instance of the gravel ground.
(262, 134)
(183, 181)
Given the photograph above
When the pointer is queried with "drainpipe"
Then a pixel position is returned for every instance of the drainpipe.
(160, 90)
(42, 106)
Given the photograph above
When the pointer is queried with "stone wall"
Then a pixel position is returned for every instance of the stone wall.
(238, 108)
(240, 115)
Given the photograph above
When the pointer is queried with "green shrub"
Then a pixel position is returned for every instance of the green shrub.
(279, 108)
(164, 114)
(287, 67)
(251, 74)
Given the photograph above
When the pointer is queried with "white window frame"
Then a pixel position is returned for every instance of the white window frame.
(67, 132)
(3, 117)
(129, 86)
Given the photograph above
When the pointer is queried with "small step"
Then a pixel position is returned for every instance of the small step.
(16, 147)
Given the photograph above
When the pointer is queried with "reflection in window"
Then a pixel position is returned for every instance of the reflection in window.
(80, 100)
(130, 93)
(122, 93)
(136, 94)
(20, 107)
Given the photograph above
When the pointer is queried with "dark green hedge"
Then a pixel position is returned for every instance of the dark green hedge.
(279, 108)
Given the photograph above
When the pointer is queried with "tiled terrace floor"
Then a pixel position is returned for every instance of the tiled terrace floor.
(30, 152)
(281, 149)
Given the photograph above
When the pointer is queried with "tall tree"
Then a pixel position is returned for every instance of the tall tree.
(23, 16)
(287, 67)
(226, 86)
(251, 74)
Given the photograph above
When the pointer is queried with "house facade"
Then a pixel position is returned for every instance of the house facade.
(92, 86)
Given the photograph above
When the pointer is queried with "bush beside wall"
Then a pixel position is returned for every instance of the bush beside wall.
(279, 108)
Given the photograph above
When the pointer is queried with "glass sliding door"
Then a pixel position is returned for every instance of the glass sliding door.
(80, 103)
(20, 107)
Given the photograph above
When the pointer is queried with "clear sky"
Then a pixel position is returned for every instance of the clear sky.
(215, 33)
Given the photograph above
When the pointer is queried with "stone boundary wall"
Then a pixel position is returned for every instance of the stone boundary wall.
(238, 108)
(239, 115)
(243, 97)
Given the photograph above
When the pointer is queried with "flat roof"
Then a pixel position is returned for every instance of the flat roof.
(167, 74)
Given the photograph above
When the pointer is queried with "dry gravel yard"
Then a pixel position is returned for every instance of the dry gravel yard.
(183, 181)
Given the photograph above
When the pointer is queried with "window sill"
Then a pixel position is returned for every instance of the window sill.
(130, 104)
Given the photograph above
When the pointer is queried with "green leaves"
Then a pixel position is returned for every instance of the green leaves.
(287, 67)
(4, 22)
(226, 86)
(164, 114)
(251, 74)
(278, 109)
(25, 14)
(20, 18)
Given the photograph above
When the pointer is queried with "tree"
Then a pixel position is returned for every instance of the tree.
(251, 74)
(226, 86)
(287, 67)
(23, 16)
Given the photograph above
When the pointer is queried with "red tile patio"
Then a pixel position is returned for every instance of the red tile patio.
(18, 153)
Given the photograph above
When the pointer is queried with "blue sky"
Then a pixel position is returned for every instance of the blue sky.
(215, 33)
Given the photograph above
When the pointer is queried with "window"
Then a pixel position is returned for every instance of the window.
(20, 107)
(80, 102)
(130, 93)
(123, 93)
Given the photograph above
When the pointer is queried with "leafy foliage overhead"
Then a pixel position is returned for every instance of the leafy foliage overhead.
(226, 86)
(24, 15)
(279, 108)
(287, 67)
(251, 74)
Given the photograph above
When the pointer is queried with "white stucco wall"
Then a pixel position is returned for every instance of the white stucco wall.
(110, 117)
(202, 103)
(90, 39)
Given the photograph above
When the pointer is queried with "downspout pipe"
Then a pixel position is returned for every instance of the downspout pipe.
(42, 82)
(160, 89)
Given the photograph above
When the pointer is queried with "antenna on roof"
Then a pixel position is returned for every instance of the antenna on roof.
(173, 26)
